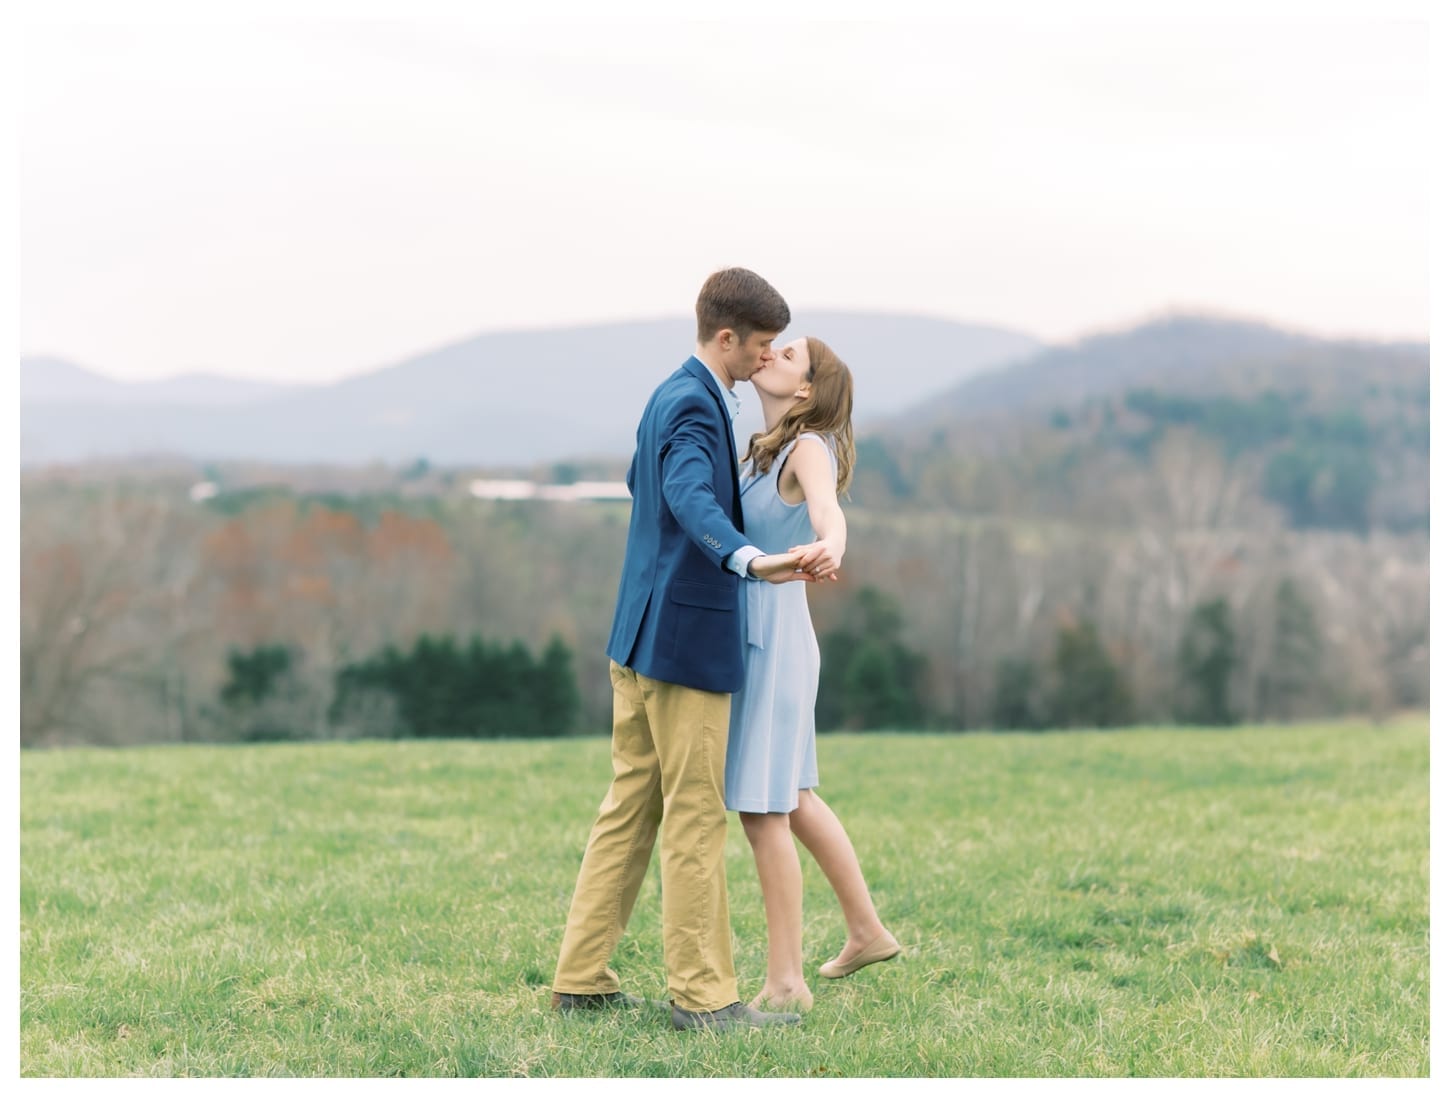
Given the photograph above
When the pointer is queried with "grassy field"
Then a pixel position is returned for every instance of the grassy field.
(1157, 902)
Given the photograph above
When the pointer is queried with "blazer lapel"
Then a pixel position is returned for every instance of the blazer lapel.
(702, 373)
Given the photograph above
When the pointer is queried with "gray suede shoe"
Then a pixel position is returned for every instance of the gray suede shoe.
(734, 1016)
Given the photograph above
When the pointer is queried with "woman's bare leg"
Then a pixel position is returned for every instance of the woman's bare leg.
(779, 867)
(820, 832)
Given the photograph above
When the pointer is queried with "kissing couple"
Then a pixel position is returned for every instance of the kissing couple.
(712, 604)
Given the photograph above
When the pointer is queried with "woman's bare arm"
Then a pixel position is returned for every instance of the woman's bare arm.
(811, 466)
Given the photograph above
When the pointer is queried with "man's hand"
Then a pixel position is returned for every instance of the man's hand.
(820, 559)
(778, 568)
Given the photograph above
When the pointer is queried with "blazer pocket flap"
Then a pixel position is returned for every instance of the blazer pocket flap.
(709, 596)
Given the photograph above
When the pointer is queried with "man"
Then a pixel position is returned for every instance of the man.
(676, 655)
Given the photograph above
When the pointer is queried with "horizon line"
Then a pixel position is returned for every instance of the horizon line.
(1142, 318)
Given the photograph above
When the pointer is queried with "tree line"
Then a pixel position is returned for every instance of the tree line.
(1307, 463)
(436, 688)
(871, 679)
(133, 596)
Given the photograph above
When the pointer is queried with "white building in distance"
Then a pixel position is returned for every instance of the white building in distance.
(568, 493)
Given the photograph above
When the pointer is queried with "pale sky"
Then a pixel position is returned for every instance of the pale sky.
(305, 199)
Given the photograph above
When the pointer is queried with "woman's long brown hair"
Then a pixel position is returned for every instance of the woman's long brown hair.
(826, 411)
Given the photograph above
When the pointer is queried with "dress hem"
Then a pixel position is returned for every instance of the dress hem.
(757, 811)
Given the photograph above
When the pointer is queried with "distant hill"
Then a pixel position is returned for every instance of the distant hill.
(1187, 353)
(518, 397)
(45, 380)
(1195, 418)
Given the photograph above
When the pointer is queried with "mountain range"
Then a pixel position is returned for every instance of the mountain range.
(501, 398)
(45, 380)
(1191, 354)
(527, 397)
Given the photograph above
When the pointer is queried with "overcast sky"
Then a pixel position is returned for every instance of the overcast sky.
(305, 200)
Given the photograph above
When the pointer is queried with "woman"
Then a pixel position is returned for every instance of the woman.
(794, 472)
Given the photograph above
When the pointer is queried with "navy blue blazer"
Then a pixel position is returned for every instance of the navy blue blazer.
(680, 613)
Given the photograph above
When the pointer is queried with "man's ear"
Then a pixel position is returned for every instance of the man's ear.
(725, 338)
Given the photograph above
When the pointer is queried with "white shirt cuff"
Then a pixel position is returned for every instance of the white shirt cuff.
(739, 561)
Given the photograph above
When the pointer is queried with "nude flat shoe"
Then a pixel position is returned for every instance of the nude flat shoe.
(796, 1004)
(882, 948)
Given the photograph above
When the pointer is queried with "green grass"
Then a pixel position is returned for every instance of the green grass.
(1157, 902)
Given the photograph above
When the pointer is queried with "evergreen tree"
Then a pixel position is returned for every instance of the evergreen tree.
(880, 685)
(1015, 701)
(557, 690)
(1207, 657)
(261, 695)
(1294, 671)
(480, 690)
(869, 678)
(253, 676)
(1088, 689)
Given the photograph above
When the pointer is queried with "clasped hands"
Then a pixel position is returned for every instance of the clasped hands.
(813, 563)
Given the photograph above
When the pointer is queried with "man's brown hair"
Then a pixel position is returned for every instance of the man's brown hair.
(739, 300)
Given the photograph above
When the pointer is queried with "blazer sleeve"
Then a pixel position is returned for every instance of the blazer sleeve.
(691, 446)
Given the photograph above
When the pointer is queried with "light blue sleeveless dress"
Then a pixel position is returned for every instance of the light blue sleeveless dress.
(771, 754)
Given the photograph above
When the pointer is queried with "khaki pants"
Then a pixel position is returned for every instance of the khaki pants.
(669, 771)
